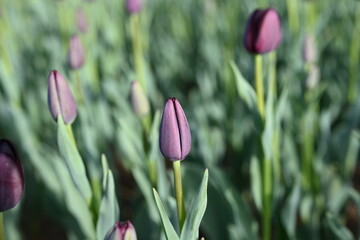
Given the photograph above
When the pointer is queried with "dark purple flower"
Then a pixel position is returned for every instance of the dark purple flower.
(139, 101)
(263, 31)
(121, 231)
(11, 176)
(60, 98)
(76, 53)
(81, 21)
(175, 136)
(134, 6)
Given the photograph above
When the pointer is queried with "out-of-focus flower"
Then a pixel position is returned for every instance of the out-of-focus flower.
(60, 98)
(76, 53)
(121, 231)
(263, 32)
(134, 6)
(81, 21)
(313, 77)
(309, 52)
(175, 136)
(11, 176)
(139, 101)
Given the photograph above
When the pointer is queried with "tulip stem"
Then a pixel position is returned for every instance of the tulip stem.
(2, 228)
(138, 50)
(267, 199)
(79, 87)
(179, 193)
(259, 85)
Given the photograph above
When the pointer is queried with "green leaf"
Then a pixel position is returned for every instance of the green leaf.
(244, 88)
(288, 215)
(338, 231)
(352, 153)
(75, 204)
(105, 168)
(256, 184)
(109, 208)
(196, 213)
(73, 161)
(168, 227)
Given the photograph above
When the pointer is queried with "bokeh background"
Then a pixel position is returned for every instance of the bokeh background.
(191, 50)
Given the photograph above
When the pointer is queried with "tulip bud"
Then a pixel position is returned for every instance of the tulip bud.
(11, 176)
(139, 101)
(309, 50)
(121, 231)
(263, 31)
(76, 53)
(60, 98)
(175, 137)
(81, 21)
(134, 6)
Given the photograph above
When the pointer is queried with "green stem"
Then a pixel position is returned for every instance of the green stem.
(259, 85)
(354, 59)
(267, 199)
(2, 228)
(276, 135)
(138, 51)
(179, 193)
(80, 94)
(293, 15)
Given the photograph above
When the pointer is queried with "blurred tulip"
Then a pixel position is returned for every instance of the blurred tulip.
(313, 77)
(309, 52)
(134, 6)
(11, 176)
(60, 98)
(76, 53)
(139, 101)
(121, 231)
(263, 31)
(175, 136)
(81, 21)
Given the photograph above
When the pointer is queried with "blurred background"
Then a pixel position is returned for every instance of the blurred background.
(191, 50)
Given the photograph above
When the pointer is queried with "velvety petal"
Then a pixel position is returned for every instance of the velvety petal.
(170, 144)
(184, 129)
(60, 98)
(175, 137)
(11, 176)
(76, 53)
(263, 32)
(134, 6)
(122, 231)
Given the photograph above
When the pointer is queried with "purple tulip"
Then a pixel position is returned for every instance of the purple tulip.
(139, 101)
(11, 176)
(175, 136)
(76, 53)
(134, 6)
(263, 31)
(81, 21)
(60, 98)
(121, 231)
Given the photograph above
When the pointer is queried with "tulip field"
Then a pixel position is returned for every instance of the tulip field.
(179, 120)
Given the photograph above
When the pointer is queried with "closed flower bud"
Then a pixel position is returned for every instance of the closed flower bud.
(11, 176)
(134, 6)
(81, 21)
(175, 137)
(121, 231)
(309, 52)
(139, 101)
(263, 31)
(76, 53)
(60, 98)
